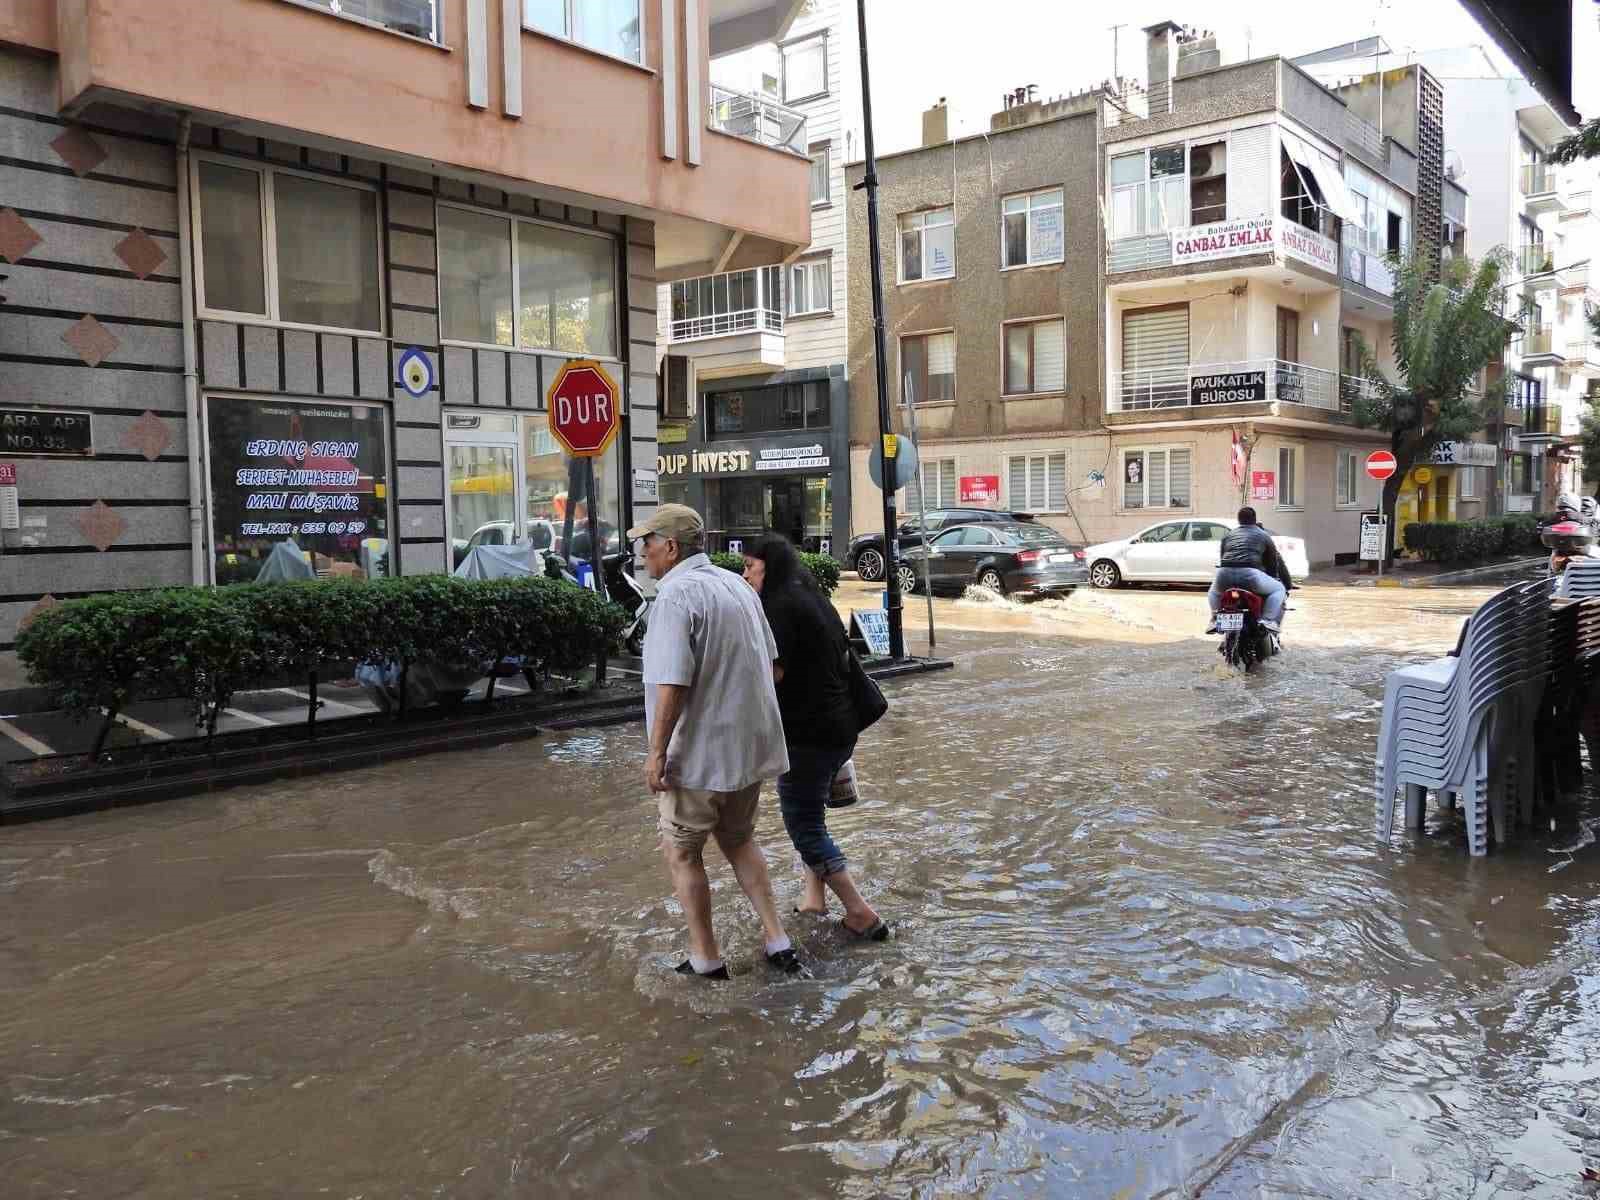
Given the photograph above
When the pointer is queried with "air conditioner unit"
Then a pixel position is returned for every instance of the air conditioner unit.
(1208, 162)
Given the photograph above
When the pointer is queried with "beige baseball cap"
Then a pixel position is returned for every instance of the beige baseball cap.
(678, 522)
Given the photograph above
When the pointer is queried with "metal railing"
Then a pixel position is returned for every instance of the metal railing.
(1538, 179)
(1201, 385)
(1542, 420)
(749, 301)
(1362, 134)
(1539, 341)
(419, 18)
(758, 118)
(1581, 351)
(1535, 259)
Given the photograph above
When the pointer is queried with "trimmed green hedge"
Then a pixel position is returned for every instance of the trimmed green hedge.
(824, 568)
(1474, 541)
(100, 653)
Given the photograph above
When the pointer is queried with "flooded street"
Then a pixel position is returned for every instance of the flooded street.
(1146, 945)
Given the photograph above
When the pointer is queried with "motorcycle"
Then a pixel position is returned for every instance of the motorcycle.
(1245, 640)
(623, 589)
(1567, 540)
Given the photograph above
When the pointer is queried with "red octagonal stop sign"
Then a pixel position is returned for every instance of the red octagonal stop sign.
(583, 408)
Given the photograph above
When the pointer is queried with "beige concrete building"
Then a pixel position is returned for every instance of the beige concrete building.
(297, 274)
(1111, 291)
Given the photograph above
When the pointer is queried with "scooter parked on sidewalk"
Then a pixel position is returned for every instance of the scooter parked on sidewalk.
(622, 588)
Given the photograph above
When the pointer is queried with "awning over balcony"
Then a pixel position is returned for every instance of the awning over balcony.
(1322, 168)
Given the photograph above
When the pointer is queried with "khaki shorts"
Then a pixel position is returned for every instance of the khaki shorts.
(689, 816)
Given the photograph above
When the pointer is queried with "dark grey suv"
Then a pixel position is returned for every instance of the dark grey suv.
(866, 555)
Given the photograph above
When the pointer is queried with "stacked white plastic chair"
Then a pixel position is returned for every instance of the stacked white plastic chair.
(1581, 579)
(1463, 724)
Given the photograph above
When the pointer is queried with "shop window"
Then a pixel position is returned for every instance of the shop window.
(1467, 487)
(610, 26)
(1035, 357)
(524, 284)
(928, 368)
(298, 489)
(1156, 478)
(288, 247)
(1037, 482)
(776, 408)
(927, 245)
(1288, 477)
(1031, 229)
(419, 18)
(1347, 479)
(805, 69)
(821, 185)
(811, 286)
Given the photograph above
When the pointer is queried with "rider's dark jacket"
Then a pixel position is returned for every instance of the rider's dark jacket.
(1251, 546)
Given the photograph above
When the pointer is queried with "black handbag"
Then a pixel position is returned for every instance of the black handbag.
(866, 697)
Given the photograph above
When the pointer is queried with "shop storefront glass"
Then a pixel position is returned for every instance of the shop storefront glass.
(297, 489)
(798, 506)
(508, 482)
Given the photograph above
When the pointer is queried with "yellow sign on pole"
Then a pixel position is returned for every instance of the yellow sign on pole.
(1423, 475)
(890, 444)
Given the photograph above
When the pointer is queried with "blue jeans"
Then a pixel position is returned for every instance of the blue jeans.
(1251, 580)
(803, 799)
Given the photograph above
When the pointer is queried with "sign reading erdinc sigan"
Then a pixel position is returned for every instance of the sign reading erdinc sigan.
(1222, 239)
(1234, 387)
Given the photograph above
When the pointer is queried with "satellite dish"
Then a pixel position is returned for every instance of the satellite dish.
(1454, 169)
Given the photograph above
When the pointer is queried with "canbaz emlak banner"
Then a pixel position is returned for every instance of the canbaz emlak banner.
(1222, 239)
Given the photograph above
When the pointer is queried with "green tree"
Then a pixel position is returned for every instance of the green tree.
(1449, 323)
(1585, 143)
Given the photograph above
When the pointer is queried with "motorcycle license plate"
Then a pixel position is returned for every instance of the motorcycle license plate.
(1230, 622)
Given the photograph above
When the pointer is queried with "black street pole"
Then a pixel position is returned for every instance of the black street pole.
(888, 443)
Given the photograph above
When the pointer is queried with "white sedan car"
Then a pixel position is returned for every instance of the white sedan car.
(1177, 552)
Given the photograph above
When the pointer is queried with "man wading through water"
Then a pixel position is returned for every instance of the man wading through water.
(711, 714)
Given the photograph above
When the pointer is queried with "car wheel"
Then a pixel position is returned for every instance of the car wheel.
(990, 578)
(906, 575)
(1104, 574)
(869, 565)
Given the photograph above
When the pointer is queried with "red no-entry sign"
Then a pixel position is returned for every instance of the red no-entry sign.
(583, 408)
(1380, 464)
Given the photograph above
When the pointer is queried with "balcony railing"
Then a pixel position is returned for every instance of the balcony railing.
(1582, 353)
(1361, 134)
(1538, 179)
(759, 118)
(1542, 420)
(1202, 385)
(1535, 259)
(1539, 341)
(749, 301)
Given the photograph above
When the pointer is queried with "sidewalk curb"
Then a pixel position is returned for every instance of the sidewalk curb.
(1449, 577)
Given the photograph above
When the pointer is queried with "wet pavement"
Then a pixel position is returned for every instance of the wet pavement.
(1146, 945)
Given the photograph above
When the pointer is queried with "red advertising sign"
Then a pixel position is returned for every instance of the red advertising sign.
(8, 474)
(1380, 464)
(980, 489)
(1263, 485)
(583, 408)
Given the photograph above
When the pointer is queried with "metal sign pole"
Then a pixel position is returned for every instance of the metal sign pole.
(922, 512)
(595, 552)
(897, 639)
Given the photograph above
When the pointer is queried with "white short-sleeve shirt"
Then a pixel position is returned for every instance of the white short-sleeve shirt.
(707, 633)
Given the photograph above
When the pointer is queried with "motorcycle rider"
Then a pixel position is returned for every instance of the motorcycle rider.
(1250, 560)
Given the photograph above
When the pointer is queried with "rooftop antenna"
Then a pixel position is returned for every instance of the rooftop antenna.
(1116, 58)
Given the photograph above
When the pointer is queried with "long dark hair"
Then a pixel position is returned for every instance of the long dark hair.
(789, 580)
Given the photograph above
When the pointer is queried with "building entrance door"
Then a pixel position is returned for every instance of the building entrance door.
(483, 482)
(786, 509)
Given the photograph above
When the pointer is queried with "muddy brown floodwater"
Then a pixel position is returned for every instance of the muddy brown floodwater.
(1146, 946)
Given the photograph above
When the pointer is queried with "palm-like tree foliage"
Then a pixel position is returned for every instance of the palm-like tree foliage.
(1448, 325)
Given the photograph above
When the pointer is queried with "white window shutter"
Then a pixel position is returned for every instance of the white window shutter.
(1017, 485)
(1156, 478)
(1056, 491)
(1049, 357)
(1178, 479)
(1252, 179)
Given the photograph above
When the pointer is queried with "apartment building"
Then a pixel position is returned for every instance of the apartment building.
(754, 424)
(1498, 132)
(1094, 304)
(298, 273)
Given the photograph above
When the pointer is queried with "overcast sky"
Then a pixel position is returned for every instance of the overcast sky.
(973, 51)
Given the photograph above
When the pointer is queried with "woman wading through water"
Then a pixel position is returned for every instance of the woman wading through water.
(819, 722)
